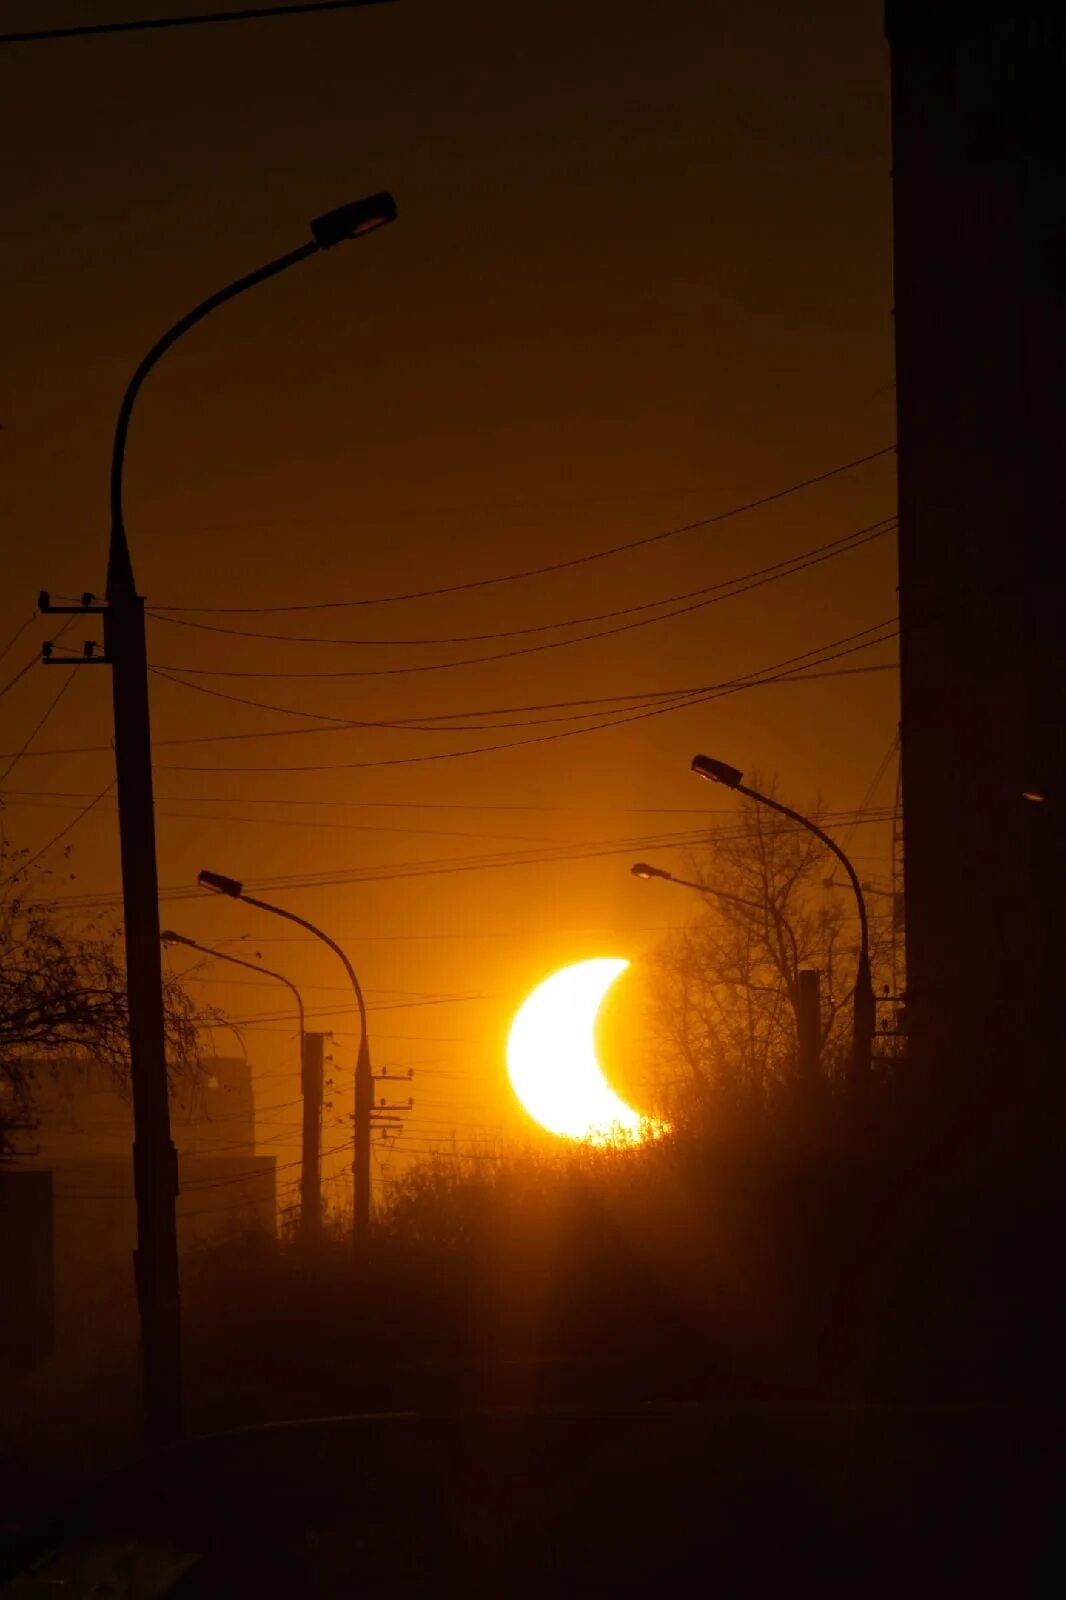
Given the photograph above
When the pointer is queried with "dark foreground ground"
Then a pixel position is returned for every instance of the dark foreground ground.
(574, 1500)
(766, 1370)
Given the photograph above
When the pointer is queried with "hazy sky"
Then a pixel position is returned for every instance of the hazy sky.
(641, 275)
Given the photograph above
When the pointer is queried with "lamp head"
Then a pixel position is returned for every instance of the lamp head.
(717, 771)
(353, 220)
(168, 936)
(644, 870)
(220, 884)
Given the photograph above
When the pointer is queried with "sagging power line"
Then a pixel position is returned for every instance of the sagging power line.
(552, 566)
(87, 30)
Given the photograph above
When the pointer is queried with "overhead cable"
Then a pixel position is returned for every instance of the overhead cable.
(85, 30)
(522, 650)
(827, 551)
(731, 686)
(552, 566)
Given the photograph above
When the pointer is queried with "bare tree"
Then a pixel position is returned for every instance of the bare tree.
(63, 997)
(728, 999)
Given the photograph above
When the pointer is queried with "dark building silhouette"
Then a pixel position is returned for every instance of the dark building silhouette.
(85, 1234)
(979, 132)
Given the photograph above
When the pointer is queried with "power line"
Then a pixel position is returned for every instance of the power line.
(20, 674)
(249, 1018)
(345, 725)
(554, 566)
(445, 866)
(17, 635)
(867, 799)
(69, 828)
(30, 664)
(734, 686)
(197, 19)
(522, 650)
(18, 755)
(409, 724)
(396, 805)
(828, 551)
(291, 822)
(572, 850)
(441, 866)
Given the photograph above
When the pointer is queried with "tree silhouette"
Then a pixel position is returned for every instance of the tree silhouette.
(727, 994)
(63, 998)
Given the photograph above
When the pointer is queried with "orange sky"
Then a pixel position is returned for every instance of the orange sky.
(641, 275)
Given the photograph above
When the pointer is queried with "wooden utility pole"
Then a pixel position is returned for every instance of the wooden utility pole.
(155, 1159)
(311, 1166)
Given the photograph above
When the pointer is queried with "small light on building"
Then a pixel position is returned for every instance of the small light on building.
(1034, 795)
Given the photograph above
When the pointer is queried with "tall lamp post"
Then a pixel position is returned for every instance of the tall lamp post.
(863, 996)
(364, 1078)
(310, 1084)
(155, 1162)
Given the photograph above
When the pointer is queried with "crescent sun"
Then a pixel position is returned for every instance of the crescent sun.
(552, 1061)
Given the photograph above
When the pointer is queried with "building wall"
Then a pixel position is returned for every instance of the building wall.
(27, 1290)
(83, 1148)
(979, 124)
(95, 1232)
(81, 1110)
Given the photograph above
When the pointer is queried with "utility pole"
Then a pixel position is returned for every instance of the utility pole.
(155, 1160)
(386, 1117)
(311, 1150)
(809, 1024)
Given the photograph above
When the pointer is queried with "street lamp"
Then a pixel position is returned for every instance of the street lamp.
(310, 1084)
(351, 221)
(863, 996)
(644, 869)
(364, 1080)
(155, 1162)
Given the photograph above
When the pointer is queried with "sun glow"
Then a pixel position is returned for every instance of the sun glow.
(552, 1062)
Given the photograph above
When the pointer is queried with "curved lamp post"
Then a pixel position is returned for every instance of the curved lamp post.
(863, 997)
(310, 1085)
(796, 984)
(364, 1080)
(155, 1165)
(351, 221)
(168, 936)
(644, 870)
